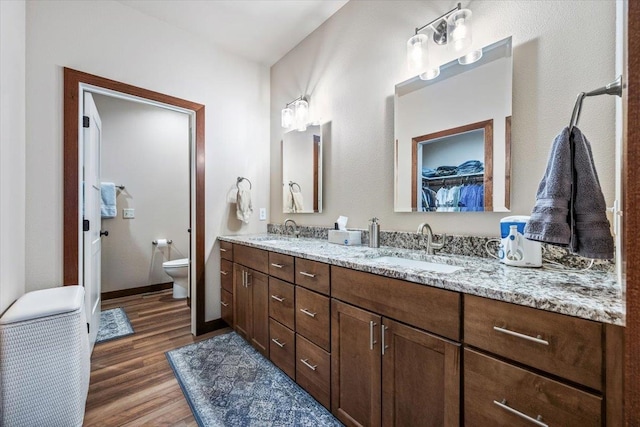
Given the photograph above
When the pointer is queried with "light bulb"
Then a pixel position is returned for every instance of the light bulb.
(287, 118)
(301, 114)
(459, 28)
(417, 53)
(470, 57)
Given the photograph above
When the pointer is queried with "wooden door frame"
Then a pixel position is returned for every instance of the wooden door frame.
(631, 217)
(71, 272)
(487, 125)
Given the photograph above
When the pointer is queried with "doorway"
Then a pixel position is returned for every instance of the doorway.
(75, 84)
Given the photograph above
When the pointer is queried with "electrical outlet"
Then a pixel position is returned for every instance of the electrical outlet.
(263, 214)
(128, 213)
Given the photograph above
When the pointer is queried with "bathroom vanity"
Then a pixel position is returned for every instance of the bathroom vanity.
(389, 336)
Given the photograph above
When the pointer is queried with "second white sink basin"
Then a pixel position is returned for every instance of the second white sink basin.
(422, 265)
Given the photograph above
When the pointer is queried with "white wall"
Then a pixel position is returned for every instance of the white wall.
(114, 41)
(351, 64)
(12, 152)
(146, 149)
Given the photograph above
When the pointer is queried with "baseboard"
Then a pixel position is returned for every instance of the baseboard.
(210, 326)
(136, 291)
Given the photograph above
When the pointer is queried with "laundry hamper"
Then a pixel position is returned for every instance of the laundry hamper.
(44, 359)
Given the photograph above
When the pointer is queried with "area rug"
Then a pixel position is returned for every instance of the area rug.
(114, 324)
(228, 383)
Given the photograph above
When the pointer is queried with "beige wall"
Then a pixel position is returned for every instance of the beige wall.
(349, 68)
(146, 149)
(114, 41)
(12, 152)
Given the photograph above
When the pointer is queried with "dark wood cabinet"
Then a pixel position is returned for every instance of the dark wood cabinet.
(386, 373)
(420, 378)
(226, 306)
(355, 362)
(251, 307)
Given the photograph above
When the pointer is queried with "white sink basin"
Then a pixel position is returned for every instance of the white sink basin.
(421, 265)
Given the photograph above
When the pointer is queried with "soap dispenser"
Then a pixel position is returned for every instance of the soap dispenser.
(374, 233)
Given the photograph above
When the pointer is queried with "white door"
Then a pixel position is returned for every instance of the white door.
(91, 237)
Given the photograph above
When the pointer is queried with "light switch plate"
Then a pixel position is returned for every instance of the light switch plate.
(263, 214)
(128, 213)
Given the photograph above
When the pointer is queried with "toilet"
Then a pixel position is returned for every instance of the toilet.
(178, 269)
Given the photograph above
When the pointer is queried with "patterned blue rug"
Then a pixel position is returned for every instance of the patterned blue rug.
(114, 324)
(228, 383)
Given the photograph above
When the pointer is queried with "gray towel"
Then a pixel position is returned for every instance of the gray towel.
(551, 218)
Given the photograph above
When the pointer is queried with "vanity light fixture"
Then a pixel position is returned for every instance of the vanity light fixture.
(452, 28)
(295, 114)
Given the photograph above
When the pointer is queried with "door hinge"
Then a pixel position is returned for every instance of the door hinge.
(85, 121)
(85, 225)
(88, 328)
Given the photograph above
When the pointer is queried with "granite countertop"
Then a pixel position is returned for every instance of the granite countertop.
(593, 295)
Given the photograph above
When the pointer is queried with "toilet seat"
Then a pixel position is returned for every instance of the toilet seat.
(182, 262)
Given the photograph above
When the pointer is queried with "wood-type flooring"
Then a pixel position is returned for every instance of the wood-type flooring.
(132, 383)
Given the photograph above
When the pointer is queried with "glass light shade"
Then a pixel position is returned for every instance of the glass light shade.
(301, 108)
(459, 29)
(287, 118)
(430, 73)
(470, 57)
(417, 53)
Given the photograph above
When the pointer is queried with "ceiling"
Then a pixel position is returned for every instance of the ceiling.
(259, 30)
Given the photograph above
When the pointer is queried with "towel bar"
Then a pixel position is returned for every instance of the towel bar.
(240, 179)
(155, 242)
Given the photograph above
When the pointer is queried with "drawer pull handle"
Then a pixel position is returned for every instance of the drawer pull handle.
(223, 250)
(308, 313)
(304, 273)
(371, 340)
(537, 421)
(224, 304)
(537, 339)
(277, 265)
(224, 273)
(277, 298)
(278, 343)
(309, 365)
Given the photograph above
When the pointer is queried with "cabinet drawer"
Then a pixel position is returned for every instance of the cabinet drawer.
(562, 345)
(312, 316)
(499, 394)
(281, 302)
(313, 275)
(281, 266)
(226, 306)
(254, 258)
(313, 370)
(226, 250)
(424, 307)
(282, 349)
(226, 275)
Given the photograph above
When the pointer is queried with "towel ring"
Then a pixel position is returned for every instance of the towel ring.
(291, 184)
(240, 179)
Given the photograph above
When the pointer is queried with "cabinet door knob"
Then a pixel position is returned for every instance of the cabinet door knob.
(307, 312)
(278, 343)
(537, 421)
(309, 365)
(537, 339)
(372, 342)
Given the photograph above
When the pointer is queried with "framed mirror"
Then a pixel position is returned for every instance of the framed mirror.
(453, 137)
(302, 171)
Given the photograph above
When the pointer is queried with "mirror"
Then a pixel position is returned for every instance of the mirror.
(302, 171)
(453, 137)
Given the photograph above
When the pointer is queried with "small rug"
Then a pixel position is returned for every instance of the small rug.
(114, 324)
(228, 383)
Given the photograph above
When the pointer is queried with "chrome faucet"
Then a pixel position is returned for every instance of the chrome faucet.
(294, 226)
(430, 243)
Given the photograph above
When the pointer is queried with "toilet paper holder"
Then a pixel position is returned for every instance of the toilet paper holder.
(155, 242)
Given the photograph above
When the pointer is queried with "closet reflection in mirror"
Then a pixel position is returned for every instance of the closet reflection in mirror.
(453, 137)
(302, 171)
